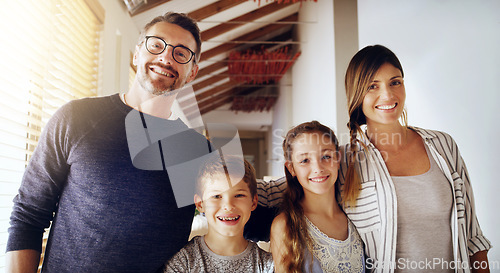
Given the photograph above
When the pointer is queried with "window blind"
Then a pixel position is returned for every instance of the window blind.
(49, 56)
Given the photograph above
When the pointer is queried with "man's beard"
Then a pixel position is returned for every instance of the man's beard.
(158, 87)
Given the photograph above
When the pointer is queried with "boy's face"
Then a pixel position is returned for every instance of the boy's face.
(226, 208)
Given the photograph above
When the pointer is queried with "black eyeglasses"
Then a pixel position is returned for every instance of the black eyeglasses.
(156, 45)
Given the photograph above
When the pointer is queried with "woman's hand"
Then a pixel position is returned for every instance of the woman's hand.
(479, 262)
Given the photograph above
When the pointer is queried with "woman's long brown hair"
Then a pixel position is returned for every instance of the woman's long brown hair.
(296, 238)
(358, 77)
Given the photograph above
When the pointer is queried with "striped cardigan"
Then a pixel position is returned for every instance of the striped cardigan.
(375, 213)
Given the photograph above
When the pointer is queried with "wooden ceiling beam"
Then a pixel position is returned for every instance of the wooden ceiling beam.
(248, 17)
(216, 105)
(221, 95)
(206, 103)
(247, 37)
(223, 75)
(224, 63)
(210, 108)
(211, 80)
(211, 68)
(226, 96)
(216, 90)
(151, 4)
(198, 14)
(229, 93)
(213, 9)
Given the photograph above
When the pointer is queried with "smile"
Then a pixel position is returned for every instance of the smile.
(162, 72)
(222, 218)
(319, 179)
(387, 107)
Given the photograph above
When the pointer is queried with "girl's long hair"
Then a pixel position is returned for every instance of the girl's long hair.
(358, 77)
(296, 238)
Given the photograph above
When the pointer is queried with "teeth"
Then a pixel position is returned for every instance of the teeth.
(163, 73)
(386, 107)
(228, 218)
(320, 179)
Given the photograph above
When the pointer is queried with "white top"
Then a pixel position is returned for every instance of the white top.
(331, 255)
(425, 203)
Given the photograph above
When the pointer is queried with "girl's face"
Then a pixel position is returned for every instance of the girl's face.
(385, 99)
(315, 163)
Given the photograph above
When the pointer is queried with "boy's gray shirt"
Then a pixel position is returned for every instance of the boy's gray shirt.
(197, 257)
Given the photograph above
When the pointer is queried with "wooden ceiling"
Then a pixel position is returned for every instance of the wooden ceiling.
(228, 25)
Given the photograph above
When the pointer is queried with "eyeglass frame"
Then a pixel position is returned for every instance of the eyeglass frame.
(173, 49)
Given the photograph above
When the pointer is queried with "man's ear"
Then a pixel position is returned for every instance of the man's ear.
(193, 73)
(134, 59)
(255, 201)
(198, 202)
(289, 167)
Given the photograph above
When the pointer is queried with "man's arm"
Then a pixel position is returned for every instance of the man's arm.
(22, 261)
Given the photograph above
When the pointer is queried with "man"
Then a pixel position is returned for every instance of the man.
(107, 215)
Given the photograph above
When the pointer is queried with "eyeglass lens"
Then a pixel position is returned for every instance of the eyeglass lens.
(156, 45)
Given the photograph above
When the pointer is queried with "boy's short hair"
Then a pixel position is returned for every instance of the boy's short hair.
(219, 165)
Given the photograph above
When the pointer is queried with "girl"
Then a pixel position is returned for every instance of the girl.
(312, 233)
(416, 204)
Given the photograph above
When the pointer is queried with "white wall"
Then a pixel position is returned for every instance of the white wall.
(311, 95)
(346, 45)
(450, 55)
(118, 40)
(313, 75)
(282, 122)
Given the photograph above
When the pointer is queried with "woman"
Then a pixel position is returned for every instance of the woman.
(406, 189)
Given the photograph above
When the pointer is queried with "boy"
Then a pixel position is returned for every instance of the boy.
(227, 202)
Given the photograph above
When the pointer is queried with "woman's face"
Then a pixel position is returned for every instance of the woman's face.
(384, 102)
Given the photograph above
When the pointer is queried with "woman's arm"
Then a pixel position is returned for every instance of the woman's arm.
(277, 242)
(271, 192)
(477, 244)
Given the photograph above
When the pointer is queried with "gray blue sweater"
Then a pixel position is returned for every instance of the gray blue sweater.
(108, 216)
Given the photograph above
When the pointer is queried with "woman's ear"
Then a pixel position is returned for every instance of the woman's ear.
(198, 202)
(289, 167)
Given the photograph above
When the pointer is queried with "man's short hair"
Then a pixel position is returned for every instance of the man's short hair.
(180, 19)
(215, 167)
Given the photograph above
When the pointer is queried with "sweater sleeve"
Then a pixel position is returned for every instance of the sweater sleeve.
(41, 185)
(271, 192)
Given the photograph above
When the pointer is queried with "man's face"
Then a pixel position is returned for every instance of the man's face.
(158, 74)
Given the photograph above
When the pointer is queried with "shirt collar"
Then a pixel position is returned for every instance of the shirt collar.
(425, 134)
